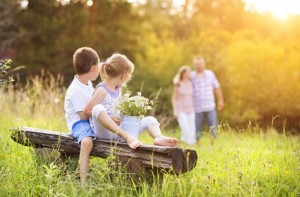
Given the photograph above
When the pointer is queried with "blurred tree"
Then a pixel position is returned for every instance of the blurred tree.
(262, 81)
(255, 56)
(50, 33)
(8, 28)
(114, 26)
(162, 54)
(164, 17)
(227, 14)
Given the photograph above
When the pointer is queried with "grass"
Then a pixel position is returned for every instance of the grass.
(249, 162)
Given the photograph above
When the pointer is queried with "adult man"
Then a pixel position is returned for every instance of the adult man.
(205, 85)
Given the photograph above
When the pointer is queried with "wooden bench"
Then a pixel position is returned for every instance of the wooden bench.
(146, 159)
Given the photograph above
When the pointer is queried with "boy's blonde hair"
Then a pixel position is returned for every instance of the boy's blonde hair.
(84, 58)
(117, 65)
(179, 76)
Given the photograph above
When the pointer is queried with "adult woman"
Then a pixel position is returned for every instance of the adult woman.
(182, 102)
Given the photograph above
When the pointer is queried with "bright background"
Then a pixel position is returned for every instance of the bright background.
(278, 8)
(252, 47)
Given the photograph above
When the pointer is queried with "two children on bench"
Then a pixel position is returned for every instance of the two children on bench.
(89, 111)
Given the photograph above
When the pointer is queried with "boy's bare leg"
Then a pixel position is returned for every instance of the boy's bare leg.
(84, 158)
(159, 139)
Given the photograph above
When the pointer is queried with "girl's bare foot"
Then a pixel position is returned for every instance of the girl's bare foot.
(165, 141)
(133, 143)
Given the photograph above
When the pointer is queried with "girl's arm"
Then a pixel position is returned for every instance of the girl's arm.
(107, 121)
(97, 98)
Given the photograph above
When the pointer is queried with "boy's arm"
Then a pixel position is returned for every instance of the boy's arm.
(97, 98)
(78, 103)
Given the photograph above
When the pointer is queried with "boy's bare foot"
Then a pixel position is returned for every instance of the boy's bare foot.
(83, 179)
(165, 141)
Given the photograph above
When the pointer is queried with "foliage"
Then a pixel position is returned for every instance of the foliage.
(49, 35)
(4, 66)
(8, 28)
(261, 84)
(255, 56)
(133, 106)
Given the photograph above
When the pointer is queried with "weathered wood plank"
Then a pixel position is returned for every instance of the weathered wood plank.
(168, 159)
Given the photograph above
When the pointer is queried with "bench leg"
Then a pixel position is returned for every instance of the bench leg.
(138, 171)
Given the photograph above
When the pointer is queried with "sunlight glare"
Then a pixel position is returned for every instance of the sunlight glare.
(24, 4)
(279, 8)
(65, 2)
(89, 3)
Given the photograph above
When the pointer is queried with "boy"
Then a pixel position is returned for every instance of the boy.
(86, 65)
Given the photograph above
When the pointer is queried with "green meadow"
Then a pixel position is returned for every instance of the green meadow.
(240, 162)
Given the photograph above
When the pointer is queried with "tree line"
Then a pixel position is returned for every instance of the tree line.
(255, 56)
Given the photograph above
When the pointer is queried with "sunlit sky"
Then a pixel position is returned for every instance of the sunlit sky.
(279, 8)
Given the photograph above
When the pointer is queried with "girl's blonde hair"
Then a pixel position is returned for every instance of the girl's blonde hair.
(179, 76)
(117, 65)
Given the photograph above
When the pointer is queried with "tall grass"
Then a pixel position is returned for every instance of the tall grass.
(245, 162)
(38, 102)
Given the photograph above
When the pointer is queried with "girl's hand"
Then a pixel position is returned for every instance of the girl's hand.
(133, 143)
(116, 119)
(175, 114)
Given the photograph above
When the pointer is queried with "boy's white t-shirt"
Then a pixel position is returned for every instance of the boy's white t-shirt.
(77, 97)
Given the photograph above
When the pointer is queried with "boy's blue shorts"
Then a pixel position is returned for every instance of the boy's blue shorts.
(82, 129)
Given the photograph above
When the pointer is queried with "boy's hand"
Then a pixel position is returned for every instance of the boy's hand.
(83, 116)
(133, 143)
(116, 119)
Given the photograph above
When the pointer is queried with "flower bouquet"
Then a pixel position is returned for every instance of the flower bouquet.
(132, 110)
(133, 106)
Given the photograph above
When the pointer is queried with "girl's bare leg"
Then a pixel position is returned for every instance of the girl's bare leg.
(159, 139)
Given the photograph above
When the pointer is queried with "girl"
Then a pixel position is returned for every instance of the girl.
(115, 73)
(182, 102)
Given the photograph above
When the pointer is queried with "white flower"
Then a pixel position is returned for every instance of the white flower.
(127, 95)
(133, 106)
